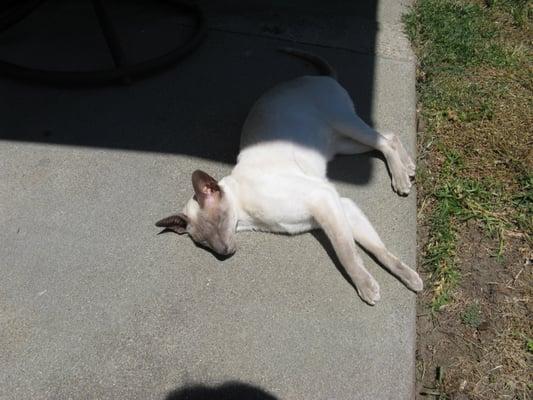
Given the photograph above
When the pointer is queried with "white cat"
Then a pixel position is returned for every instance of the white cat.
(279, 183)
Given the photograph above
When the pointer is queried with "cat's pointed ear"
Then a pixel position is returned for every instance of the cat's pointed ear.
(205, 187)
(177, 223)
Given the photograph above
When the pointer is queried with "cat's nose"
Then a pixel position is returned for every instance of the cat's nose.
(229, 250)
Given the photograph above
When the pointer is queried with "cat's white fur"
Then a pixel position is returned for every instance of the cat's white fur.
(279, 183)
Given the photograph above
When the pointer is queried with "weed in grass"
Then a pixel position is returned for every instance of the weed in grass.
(472, 316)
(523, 204)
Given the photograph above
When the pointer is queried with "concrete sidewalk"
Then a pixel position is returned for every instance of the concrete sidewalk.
(95, 305)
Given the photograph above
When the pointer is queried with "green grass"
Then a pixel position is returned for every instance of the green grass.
(520, 10)
(453, 38)
(449, 97)
(474, 90)
(441, 246)
(452, 35)
(459, 199)
(457, 42)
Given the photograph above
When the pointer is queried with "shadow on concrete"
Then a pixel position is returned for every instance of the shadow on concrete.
(197, 107)
(226, 391)
(321, 237)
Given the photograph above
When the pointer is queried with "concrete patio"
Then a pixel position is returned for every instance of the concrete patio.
(94, 304)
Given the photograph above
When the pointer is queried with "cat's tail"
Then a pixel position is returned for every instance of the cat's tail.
(322, 65)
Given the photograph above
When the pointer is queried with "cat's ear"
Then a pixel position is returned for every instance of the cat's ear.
(205, 187)
(177, 223)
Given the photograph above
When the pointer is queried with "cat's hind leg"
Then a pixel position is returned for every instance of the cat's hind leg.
(364, 233)
(401, 166)
(327, 210)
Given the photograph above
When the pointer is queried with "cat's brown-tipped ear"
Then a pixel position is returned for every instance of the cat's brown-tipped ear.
(205, 187)
(177, 223)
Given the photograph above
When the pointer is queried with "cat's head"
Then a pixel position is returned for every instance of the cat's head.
(207, 217)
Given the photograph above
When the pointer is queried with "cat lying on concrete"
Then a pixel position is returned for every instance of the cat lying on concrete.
(279, 183)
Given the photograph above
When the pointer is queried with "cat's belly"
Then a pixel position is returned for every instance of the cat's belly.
(278, 227)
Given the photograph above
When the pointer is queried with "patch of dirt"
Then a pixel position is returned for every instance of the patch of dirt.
(476, 346)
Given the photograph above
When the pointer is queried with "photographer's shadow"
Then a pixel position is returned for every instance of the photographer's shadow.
(226, 391)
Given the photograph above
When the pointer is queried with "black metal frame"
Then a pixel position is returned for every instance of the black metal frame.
(124, 72)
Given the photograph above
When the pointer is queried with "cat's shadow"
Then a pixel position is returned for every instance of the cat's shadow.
(321, 237)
